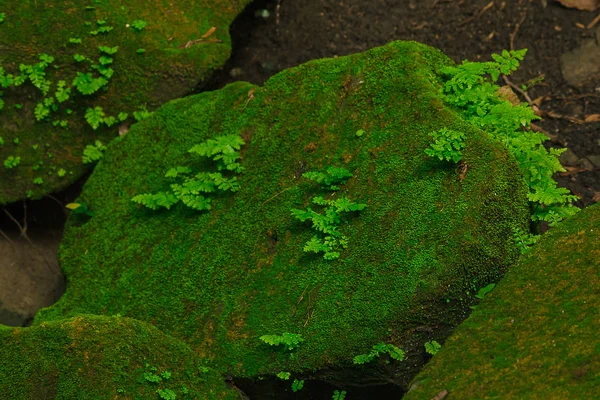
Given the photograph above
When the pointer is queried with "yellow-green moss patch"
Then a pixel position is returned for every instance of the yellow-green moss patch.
(97, 357)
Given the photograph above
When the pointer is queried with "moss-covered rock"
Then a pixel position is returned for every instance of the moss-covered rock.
(98, 357)
(429, 236)
(174, 61)
(536, 335)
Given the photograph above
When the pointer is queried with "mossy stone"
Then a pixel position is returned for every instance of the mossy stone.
(101, 357)
(219, 280)
(165, 71)
(535, 335)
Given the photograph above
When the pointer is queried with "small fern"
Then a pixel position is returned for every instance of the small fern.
(432, 347)
(289, 340)
(469, 87)
(447, 146)
(327, 224)
(222, 149)
(377, 350)
(93, 153)
(331, 178)
(156, 200)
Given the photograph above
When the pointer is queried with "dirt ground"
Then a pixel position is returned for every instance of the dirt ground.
(298, 31)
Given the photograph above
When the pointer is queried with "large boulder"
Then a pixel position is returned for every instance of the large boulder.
(535, 335)
(97, 357)
(175, 58)
(219, 279)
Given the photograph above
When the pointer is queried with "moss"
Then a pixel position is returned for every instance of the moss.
(97, 357)
(535, 336)
(219, 280)
(165, 71)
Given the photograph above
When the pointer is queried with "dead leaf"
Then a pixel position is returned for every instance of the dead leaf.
(209, 32)
(586, 5)
(596, 197)
(592, 118)
(506, 93)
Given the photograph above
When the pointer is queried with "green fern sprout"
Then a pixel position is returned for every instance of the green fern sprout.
(297, 385)
(284, 376)
(432, 347)
(329, 222)
(524, 240)
(86, 84)
(11, 162)
(93, 153)
(289, 340)
(138, 24)
(377, 350)
(331, 178)
(448, 145)
(223, 150)
(339, 395)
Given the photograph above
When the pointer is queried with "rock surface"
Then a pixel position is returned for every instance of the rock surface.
(535, 335)
(219, 280)
(30, 277)
(95, 357)
(581, 67)
(173, 62)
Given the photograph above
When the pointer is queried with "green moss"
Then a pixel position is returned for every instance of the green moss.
(95, 357)
(166, 71)
(221, 279)
(535, 336)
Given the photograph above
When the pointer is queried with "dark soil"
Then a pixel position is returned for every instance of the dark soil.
(299, 31)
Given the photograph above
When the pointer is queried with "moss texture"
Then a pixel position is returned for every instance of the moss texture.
(536, 335)
(98, 357)
(220, 279)
(167, 70)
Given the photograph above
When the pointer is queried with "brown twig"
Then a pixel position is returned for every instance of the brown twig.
(514, 34)
(523, 92)
(593, 23)
(479, 14)
(204, 38)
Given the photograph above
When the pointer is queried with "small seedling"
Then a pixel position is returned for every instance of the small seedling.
(289, 340)
(432, 347)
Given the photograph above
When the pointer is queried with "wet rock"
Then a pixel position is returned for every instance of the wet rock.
(569, 158)
(543, 313)
(595, 160)
(581, 66)
(170, 63)
(586, 164)
(30, 277)
(222, 278)
(86, 357)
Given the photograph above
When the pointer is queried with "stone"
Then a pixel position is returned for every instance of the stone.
(172, 63)
(220, 279)
(581, 67)
(595, 160)
(569, 158)
(535, 335)
(586, 164)
(102, 357)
